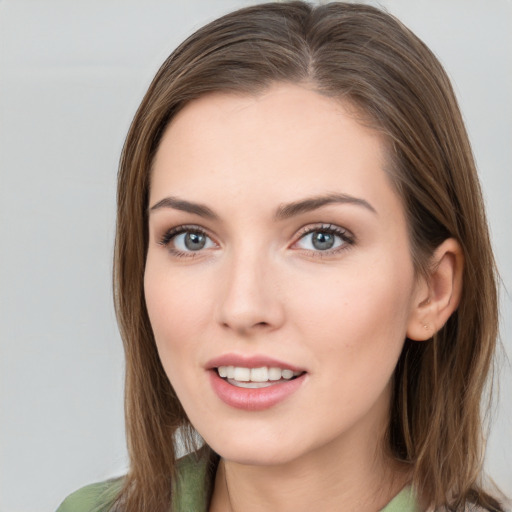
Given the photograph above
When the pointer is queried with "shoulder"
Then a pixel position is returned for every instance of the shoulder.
(92, 498)
(191, 488)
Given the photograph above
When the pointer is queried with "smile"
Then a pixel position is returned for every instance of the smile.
(255, 378)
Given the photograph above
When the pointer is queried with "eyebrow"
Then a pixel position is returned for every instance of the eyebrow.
(306, 205)
(185, 206)
(283, 212)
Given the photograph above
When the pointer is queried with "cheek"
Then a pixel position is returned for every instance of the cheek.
(174, 314)
(359, 318)
(375, 297)
(173, 309)
(356, 333)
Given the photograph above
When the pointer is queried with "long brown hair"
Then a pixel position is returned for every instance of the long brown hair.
(366, 57)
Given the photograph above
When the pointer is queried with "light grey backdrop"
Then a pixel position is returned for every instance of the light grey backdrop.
(71, 76)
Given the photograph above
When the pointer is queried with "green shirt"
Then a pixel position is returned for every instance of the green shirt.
(189, 493)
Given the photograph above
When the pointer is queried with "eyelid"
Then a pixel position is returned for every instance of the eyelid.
(323, 226)
(168, 236)
(346, 236)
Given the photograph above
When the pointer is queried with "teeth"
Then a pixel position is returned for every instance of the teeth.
(259, 374)
(274, 373)
(242, 374)
(287, 374)
(251, 385)
(262, 374)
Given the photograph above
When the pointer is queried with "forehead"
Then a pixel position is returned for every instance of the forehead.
(284, 142)
(284, 110)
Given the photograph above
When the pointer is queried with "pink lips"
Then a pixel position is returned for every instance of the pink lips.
(252, 399)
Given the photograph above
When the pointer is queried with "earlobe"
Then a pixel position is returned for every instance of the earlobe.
(438, 294)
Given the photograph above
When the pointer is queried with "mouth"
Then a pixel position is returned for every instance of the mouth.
(256, 378)
(254, 382)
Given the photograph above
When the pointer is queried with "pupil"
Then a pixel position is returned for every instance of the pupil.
(323, 241)
(194, 241)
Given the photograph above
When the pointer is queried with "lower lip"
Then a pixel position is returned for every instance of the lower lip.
(254, 399)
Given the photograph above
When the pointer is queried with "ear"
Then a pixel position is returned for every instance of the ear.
(438, 295)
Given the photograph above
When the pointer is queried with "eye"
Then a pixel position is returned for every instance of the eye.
(190, 241)
(185, 239)
(324, 239)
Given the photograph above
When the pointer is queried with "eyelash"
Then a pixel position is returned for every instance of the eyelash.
(179, 230)
(347, 238)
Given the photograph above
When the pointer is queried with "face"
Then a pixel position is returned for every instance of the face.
(279, 281)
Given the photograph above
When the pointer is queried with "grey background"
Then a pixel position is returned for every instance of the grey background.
(71, 76)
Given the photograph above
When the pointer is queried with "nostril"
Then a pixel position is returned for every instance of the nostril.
(241, 327)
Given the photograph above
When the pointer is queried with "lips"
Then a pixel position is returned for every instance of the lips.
(253, 383)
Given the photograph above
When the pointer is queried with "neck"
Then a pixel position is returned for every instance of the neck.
(347, 474)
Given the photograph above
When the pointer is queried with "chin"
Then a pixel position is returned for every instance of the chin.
(255, 450)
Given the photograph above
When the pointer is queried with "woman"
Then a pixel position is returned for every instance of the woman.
(303, 274)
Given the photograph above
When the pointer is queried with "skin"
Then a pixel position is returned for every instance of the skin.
(259, 286)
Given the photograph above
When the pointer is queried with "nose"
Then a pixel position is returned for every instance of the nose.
(249, 301)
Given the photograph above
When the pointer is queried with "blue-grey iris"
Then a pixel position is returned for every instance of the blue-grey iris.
(322, 241)
(195, 241)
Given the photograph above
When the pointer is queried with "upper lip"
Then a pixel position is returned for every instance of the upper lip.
(252, 361)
